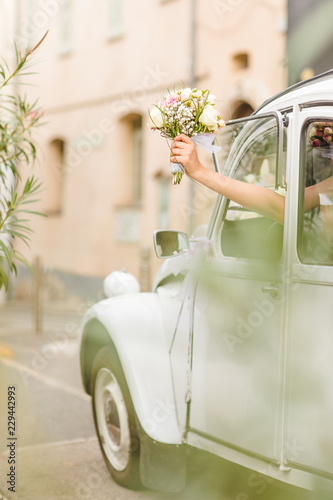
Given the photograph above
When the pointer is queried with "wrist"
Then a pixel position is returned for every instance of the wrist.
(199, 174)
(213, 180)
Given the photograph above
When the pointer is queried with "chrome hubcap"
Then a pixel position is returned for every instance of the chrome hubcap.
(112, 419)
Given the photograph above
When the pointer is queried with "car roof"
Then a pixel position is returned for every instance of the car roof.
(320, 87)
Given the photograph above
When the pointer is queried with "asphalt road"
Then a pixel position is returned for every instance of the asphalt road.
(56, 450)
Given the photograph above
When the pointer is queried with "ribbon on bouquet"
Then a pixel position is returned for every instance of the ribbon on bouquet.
(206, 142)
(177, 167)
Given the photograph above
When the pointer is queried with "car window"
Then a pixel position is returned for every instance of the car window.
(254, 160)
(315, 234)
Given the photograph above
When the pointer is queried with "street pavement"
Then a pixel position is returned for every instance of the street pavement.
(57, 453)
(56, 450)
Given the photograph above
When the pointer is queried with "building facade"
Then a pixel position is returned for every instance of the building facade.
(310, 39)
(106, 176)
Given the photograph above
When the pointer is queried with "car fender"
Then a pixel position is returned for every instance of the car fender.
(135, 326)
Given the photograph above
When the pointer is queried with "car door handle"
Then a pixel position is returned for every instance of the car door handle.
(272, 289)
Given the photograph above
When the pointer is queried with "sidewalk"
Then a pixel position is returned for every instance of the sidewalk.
(58, 338)
(19, 317)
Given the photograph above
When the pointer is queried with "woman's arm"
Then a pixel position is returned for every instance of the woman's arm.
(311, 198)
(255, 198)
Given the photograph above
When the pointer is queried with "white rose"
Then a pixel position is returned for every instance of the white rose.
(156, 118)
(186, 91)
(211, 98)
(210, 118)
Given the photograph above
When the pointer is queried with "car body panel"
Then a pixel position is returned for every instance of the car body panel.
(136, 327)
(236, 357)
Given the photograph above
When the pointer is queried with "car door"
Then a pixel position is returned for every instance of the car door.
(237, 349)
(310, 369)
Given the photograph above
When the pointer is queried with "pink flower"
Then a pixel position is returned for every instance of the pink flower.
(319, 133)
(171, 101)
(328, 130)
(316, 143)
(327, 138)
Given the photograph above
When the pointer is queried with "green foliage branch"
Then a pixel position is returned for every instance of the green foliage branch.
(18, 119)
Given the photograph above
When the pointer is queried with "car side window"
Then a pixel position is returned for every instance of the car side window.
(315, 228)
(246, 234)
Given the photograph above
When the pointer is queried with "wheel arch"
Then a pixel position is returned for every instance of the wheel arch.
(133, 325)
(94, 337)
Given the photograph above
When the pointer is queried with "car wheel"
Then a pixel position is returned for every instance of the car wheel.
(114, 419)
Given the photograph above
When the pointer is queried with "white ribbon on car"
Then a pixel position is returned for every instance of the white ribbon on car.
(189, 259)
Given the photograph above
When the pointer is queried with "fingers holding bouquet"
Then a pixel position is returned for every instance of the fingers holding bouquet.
(184, 151)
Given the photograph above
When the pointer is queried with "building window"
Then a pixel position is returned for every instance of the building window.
(116, 19)
(240, 61)
(66, 9)
(55, 174)
(131, 154)
(241, 110)
(137, 158)
(163, 200)
(164, 203)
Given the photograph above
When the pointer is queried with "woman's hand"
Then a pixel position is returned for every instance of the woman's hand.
(184, 152)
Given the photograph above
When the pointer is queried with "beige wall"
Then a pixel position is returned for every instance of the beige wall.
(87, 93)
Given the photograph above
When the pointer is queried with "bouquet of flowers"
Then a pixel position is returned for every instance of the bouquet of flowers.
(321, 134)
(187, 111)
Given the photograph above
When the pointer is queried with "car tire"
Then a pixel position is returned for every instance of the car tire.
(114, 419)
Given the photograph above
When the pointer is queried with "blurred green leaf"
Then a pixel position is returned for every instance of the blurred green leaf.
(18, 119)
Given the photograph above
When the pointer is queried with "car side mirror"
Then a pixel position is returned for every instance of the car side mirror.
(169, 243)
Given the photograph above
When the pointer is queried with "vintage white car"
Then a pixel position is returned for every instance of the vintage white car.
(232, 351)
